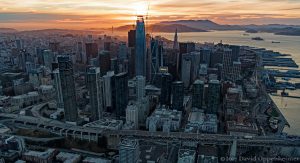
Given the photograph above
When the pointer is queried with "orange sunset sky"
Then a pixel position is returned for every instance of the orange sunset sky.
(82, 14)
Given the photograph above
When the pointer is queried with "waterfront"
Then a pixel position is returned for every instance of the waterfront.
(288, 45)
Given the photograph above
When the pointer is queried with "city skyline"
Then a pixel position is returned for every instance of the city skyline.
(34, 14)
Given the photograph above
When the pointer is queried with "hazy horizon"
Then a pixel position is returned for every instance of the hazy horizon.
(35, 14)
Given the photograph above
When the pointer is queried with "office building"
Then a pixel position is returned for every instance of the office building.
(205, 56)
(68, 88)
(48, 58)
(227, 64)
(236, 71)
(140, 47)
(120, 94)
(57, 85)
(94, 85)
(104, 62)
(129, 151)
(91, 50)
(214, 89)
(164, 82)
(186, 69)
(198, 92)
(107, 90)
(122, 54)
(177, 95)
(132, 115)
(235, 52)
(131, 38)
(140, 87)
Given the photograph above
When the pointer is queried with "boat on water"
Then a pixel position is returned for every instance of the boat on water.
(284, 94)
(257, 39)
(286, 78)
(275, 42)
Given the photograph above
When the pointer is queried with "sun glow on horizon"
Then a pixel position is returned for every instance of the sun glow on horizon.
(140, 8)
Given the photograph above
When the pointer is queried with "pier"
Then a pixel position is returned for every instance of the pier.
(286, 96)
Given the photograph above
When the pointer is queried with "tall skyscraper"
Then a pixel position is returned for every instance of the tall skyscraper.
(213, 102)
(236, 71)
(129, 151)
(48, 57)
(131, 38)
(94, 85)
(205, 56)
(132, 115)
(140, 47)
(177, 95)
(140, 87)
(164, 81)
(122, 54)
(198, 92)
(120, 94)
(227, 64)
(107, 89)
(235, 52)
(176, 44)
(186, 69)
(91, 50)
(59, 93)
(104, 62)
(68, 88)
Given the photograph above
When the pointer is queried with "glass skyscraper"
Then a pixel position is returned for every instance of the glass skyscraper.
(140, 47)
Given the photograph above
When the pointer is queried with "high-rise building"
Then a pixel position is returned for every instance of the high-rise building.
(132, 115)
(114, 65)
(177, 95)
(48, 58)
(122, 54)
(91, 50)
(235, 52)
(140, 87)
(186, 69)
(68, 88)
(227, 64)
(140, 47)
(184, 48)
(107, 89)
(213, 98)
(165, 82)
(236, 71)
(176, 44)
(198, 92)
(104, 62)
(129, 151)
(205, 56)
(94, 85)
(131, 38)
(57, 85)
(120, 94)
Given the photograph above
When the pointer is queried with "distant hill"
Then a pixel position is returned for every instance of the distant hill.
(280, 29)
(204, 24)
(59, 31)
(7, 30)
(163, 28)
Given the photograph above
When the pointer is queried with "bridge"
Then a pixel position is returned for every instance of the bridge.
(92, 134)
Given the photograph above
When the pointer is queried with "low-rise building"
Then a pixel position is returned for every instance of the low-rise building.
(164, 119)
(199, 122)
(40, 157)
(186, 156)
(68, 157)
(95, 160)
